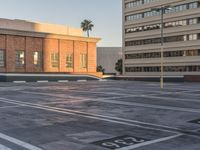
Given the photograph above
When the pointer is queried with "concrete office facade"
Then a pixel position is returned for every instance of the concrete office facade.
(107, 57)
(29, 47)
(141, 37)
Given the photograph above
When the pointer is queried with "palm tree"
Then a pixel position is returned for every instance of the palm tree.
(87, 26)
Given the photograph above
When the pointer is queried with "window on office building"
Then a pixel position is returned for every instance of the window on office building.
(2, 58)
(193, 21)
(193, 5)
(37, 58)
(69, 61)
(83, 60)
(54, 60)
(193, 37)
(20, 60)
(195, 68)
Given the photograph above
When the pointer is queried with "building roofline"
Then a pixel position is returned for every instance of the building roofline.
(47, 35)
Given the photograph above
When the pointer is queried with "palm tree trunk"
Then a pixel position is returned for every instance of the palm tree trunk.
(88, 33)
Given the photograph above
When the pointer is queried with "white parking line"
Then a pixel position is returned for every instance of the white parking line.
(43, 81)
(150, 142)
(103, 80)
(3, 107)
(81, 80)
(18, 142)
(170, 98)
(182, 109)
(2, 147)
(75, 97)
(19, 81)
(185, 89)
(117, 93)
(63, 81)
(117, 120)
(78, 99)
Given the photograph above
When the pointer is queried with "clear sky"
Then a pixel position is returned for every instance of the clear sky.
(105, 14)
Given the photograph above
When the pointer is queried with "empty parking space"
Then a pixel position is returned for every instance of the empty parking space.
(121, 115)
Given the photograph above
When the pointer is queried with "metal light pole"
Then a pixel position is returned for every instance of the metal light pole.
(162, 11)
(162, 53)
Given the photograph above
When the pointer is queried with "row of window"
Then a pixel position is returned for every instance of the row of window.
(166, 25)
(166, 69)
(138, 3)
(166, 54)
(151, 13)
(37, 59)
(19, 59)
(69, 60)
(189, 37)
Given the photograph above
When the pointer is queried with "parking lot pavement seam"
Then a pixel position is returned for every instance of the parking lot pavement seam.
(81, 98)
(114, 93)
(170, 99)
(93, 116)
(132, 103)
(60, 96)
(105, 118)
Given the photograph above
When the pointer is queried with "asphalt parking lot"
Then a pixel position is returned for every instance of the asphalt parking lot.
(99, 115)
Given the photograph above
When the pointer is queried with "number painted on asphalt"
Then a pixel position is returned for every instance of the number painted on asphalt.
(111, 144)
(119, 142)
(135, 140)
(123, 142)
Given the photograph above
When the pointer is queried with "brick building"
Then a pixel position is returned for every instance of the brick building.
(30, 47)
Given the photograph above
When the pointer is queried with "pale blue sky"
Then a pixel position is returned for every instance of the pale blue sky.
(105, 14)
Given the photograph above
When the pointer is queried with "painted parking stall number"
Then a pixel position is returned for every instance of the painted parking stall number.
(120, 142)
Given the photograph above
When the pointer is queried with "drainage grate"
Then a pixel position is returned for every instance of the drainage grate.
(120, 142)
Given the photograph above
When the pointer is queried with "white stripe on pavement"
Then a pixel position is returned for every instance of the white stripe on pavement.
(18, 142)
(95, 116)
(3, 107)
(170, 98)
(19, 81)
(2, 147)
(182, 109)
(81, 80)
(43, 81)
(150, 142)
(63, 81)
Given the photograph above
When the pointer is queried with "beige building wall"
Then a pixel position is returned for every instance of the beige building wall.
(30, 26)
(107, 58)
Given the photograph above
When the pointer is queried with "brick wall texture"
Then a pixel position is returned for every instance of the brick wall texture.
(12, 43)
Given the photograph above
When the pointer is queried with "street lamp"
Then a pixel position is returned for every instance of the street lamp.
(162, 11)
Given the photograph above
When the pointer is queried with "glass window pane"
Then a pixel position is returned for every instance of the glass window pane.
(19, 60)
(2, 58)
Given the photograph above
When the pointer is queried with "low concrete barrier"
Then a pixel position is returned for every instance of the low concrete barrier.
(11, 77)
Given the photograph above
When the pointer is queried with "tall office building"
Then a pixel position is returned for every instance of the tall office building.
(142, 37)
